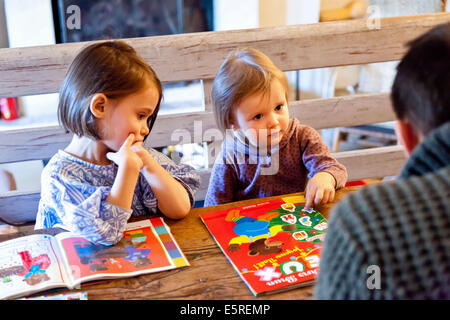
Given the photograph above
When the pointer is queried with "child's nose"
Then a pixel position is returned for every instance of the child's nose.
(144, 130)
(273, 120)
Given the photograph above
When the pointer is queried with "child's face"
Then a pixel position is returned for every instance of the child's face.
(263, 116)
(128, 115)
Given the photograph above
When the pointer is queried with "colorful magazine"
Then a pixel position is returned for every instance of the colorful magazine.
(273, 245)
(40, 262)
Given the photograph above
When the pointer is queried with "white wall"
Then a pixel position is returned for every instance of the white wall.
(238, 14)
(302, 11)
(29, 22)
(235, 14)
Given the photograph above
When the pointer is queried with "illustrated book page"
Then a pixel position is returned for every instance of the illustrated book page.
(30, 264)
(40, 262)
(146, 247)
(273, 245)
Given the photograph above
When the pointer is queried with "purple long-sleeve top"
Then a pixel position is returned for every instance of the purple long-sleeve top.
(242, 172)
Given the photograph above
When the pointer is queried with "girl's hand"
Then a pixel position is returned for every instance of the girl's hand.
(126, 157)
(173, 199)
(320, 189)
(143, 153)
(130, 164)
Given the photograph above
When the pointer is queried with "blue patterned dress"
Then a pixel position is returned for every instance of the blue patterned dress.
(74, 192)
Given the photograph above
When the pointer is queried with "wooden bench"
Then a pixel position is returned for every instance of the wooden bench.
(197, 56)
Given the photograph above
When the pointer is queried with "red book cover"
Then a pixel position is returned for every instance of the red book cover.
(273, 245)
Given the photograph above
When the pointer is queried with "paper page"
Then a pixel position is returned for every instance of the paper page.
(146, 247)
(29, 264)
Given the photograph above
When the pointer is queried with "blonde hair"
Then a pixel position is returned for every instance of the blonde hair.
(244, 72)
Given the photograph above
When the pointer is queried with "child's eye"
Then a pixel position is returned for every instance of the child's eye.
(257, 117)
(142, 116)
(278, 107)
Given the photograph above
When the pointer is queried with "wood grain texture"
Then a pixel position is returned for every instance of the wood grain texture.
(43, 142)
(373, 163)
(41, 69)
(32, 143)
(207, 87)
(344, 111)
(210, 276)
(20, 207)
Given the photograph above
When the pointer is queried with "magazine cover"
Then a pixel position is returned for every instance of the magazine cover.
(273, 245)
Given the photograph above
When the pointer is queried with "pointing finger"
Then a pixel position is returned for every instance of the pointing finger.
(318, 197)
(309, 199)
(129, 141)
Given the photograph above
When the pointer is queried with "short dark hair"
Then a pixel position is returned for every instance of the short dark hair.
(112, 68)
(421, 89)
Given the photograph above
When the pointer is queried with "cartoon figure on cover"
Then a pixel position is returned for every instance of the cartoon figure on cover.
(303, 225)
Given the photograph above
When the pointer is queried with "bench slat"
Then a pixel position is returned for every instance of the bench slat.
(42, 143)
(19, 207)
(41, 69)
(371, 163)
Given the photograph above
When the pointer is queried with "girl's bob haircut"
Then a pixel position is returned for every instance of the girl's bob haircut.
(244, 72)
(112, 68)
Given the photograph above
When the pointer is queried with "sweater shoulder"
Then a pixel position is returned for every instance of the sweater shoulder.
(395, 226)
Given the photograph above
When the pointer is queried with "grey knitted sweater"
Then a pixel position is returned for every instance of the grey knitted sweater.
(392, 241)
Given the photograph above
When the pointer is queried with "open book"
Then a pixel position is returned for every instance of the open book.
(273, 245)
(40, 262)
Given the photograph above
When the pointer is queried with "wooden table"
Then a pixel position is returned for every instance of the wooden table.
(210, 276)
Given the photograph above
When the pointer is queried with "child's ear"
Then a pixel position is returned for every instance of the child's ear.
(98, 105)
(407, 135)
